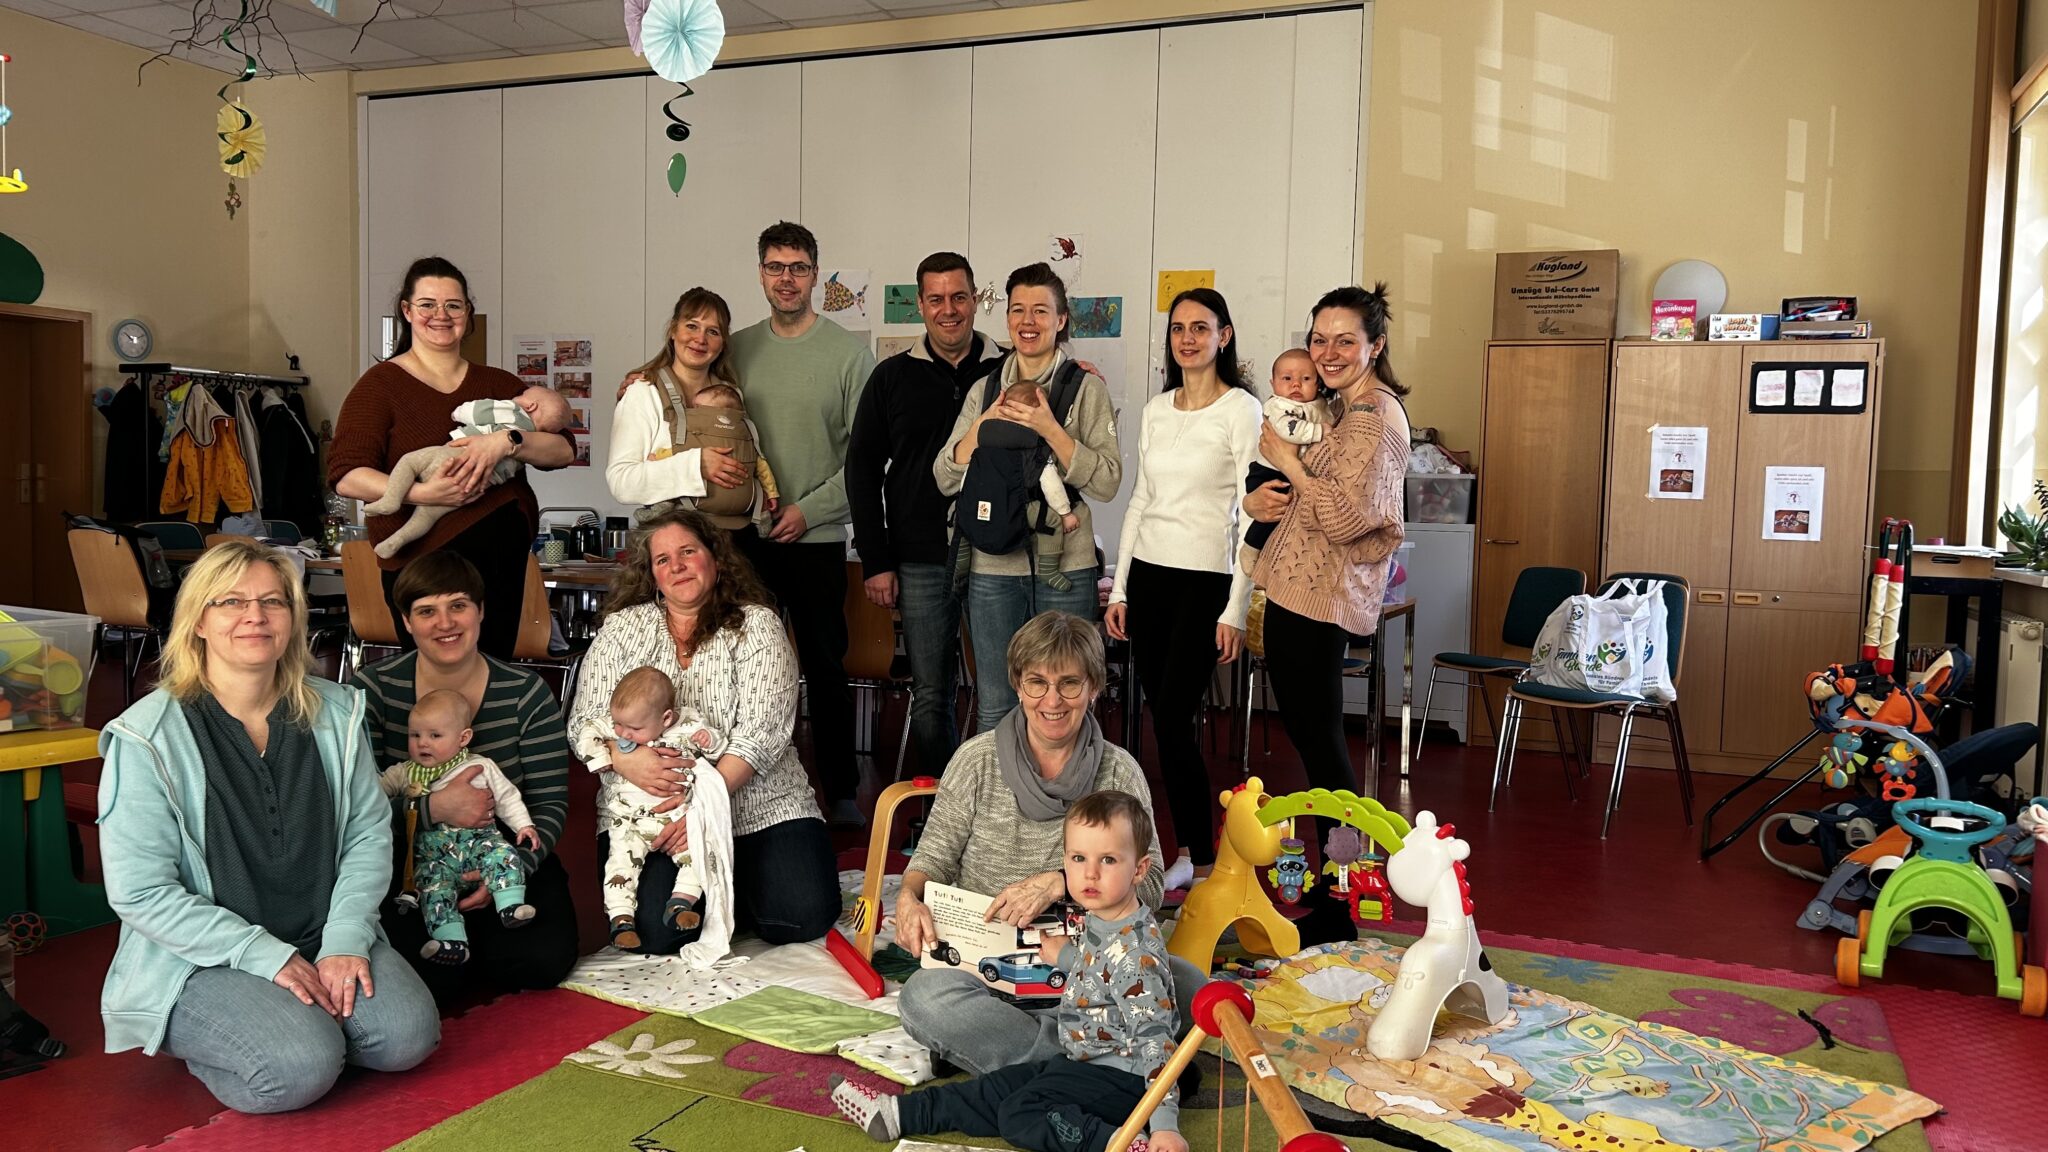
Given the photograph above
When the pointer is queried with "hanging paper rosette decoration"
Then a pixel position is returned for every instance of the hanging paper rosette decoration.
(636, 10)
(681, 38)
(241, 140)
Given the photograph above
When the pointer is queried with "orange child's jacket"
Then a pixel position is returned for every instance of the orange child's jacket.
(203, 475)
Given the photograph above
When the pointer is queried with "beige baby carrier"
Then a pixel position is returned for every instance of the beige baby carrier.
(715, 428)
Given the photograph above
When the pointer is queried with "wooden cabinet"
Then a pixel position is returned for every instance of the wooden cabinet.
(1540, 475)
(1764, 612)
(1771, 648)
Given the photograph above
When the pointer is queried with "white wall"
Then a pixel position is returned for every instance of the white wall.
(1232, 146)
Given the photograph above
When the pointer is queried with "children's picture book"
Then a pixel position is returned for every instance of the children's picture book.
(1006, 958)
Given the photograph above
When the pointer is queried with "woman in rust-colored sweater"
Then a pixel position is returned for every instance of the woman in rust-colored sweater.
(408, 402)
(1325, 567)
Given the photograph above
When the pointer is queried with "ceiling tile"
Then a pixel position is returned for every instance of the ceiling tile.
(166, 20)
(101, 26)
(1026, 3)
(42, 8)
(99, 5)
(924, 7)
(447, 8)
(841, 18)
(339, 45)
(741, 14)
(401, 62)
(306, 61)
(515, 29)
(799, 11)
(556, 49)
(294, 18)
(428, 37)
(595, 19)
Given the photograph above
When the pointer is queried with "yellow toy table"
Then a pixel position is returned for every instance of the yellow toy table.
(35, 849)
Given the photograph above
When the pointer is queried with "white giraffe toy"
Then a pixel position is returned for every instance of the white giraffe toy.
(1446, 969)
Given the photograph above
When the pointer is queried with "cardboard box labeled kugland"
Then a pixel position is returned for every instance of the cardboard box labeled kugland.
(1555, 295)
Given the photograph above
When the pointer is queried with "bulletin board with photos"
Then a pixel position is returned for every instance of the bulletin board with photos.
(1809, 387)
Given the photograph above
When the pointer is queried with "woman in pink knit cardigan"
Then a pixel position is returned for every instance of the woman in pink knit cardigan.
(1339, 512)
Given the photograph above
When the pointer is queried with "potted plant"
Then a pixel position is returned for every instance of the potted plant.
(2027, 534)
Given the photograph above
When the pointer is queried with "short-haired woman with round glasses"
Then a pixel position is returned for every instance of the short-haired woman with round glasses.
(246, 846)
(996, 828)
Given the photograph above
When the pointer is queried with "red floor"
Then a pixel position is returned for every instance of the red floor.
(1539, 869)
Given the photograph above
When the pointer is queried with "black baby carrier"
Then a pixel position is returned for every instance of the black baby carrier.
(994, 511)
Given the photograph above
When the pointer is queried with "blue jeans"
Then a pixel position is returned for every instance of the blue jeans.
(955, 1015)
(931, 636)
(258, 1049)
(996, 607)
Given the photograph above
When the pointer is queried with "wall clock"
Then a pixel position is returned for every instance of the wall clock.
(132, 340)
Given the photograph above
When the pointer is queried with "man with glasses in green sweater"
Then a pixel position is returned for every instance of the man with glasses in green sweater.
(802, 375)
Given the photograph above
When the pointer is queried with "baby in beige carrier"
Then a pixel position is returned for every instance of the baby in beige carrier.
(718, 419)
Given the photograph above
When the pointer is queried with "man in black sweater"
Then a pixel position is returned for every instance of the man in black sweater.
(899, 519)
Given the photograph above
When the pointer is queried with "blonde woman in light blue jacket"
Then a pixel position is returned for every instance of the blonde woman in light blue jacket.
(246, 846)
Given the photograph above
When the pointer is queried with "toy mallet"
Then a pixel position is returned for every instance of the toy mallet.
(1222, 1009)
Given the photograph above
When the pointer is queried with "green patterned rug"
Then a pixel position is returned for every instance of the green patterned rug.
(672, 1083)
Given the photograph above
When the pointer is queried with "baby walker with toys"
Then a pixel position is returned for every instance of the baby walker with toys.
(1942, 872)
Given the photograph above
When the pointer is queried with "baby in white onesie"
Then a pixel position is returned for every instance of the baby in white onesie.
(643, 712)
(1298, 416)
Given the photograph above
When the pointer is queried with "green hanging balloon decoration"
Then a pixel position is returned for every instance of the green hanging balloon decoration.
(678, 169)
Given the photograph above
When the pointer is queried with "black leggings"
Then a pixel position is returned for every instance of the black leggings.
(1171, 620)
(1305, 665)
(498, 545)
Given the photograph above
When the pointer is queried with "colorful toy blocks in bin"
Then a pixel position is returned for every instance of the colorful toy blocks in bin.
(46, 660)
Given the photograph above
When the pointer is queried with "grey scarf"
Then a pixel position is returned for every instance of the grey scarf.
(1040, 799)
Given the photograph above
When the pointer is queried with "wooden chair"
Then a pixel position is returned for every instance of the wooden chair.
(111, 584)
(871, 655)
(369, 614)
(1677, 599)
(536, 630)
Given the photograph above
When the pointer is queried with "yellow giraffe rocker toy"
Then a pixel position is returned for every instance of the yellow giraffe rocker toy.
(1231, 894)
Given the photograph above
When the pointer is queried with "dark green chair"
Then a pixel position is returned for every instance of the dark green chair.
(1677, 600)
(1538, 592)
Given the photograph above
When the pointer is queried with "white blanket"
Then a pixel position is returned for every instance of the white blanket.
(709, 819)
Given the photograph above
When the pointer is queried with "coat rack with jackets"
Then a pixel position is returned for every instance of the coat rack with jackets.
(201, 443)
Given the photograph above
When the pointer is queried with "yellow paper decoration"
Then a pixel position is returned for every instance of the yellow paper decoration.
(241, 140)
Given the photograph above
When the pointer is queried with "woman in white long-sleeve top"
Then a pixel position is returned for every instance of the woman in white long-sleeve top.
(652, 400)
(1180, 596)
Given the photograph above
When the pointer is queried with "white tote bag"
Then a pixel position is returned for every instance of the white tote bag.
(1611, 642)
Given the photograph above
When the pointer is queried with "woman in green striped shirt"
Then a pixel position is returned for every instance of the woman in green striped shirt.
(518, 725)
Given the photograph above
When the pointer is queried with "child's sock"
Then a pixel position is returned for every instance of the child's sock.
(1049, 571)
(873, 1111)
(450, 952)
(625, 934)
(681, 910)
(1181, 873)
(513, 910)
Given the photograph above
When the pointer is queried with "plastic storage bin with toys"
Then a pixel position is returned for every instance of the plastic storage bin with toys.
(45, 662)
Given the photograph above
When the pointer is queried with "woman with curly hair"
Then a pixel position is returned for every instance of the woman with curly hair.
(686, 602)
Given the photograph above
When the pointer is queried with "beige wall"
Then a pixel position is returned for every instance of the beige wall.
(2033, 35)
(302, 235)
(1797, 151)
(124, 208)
